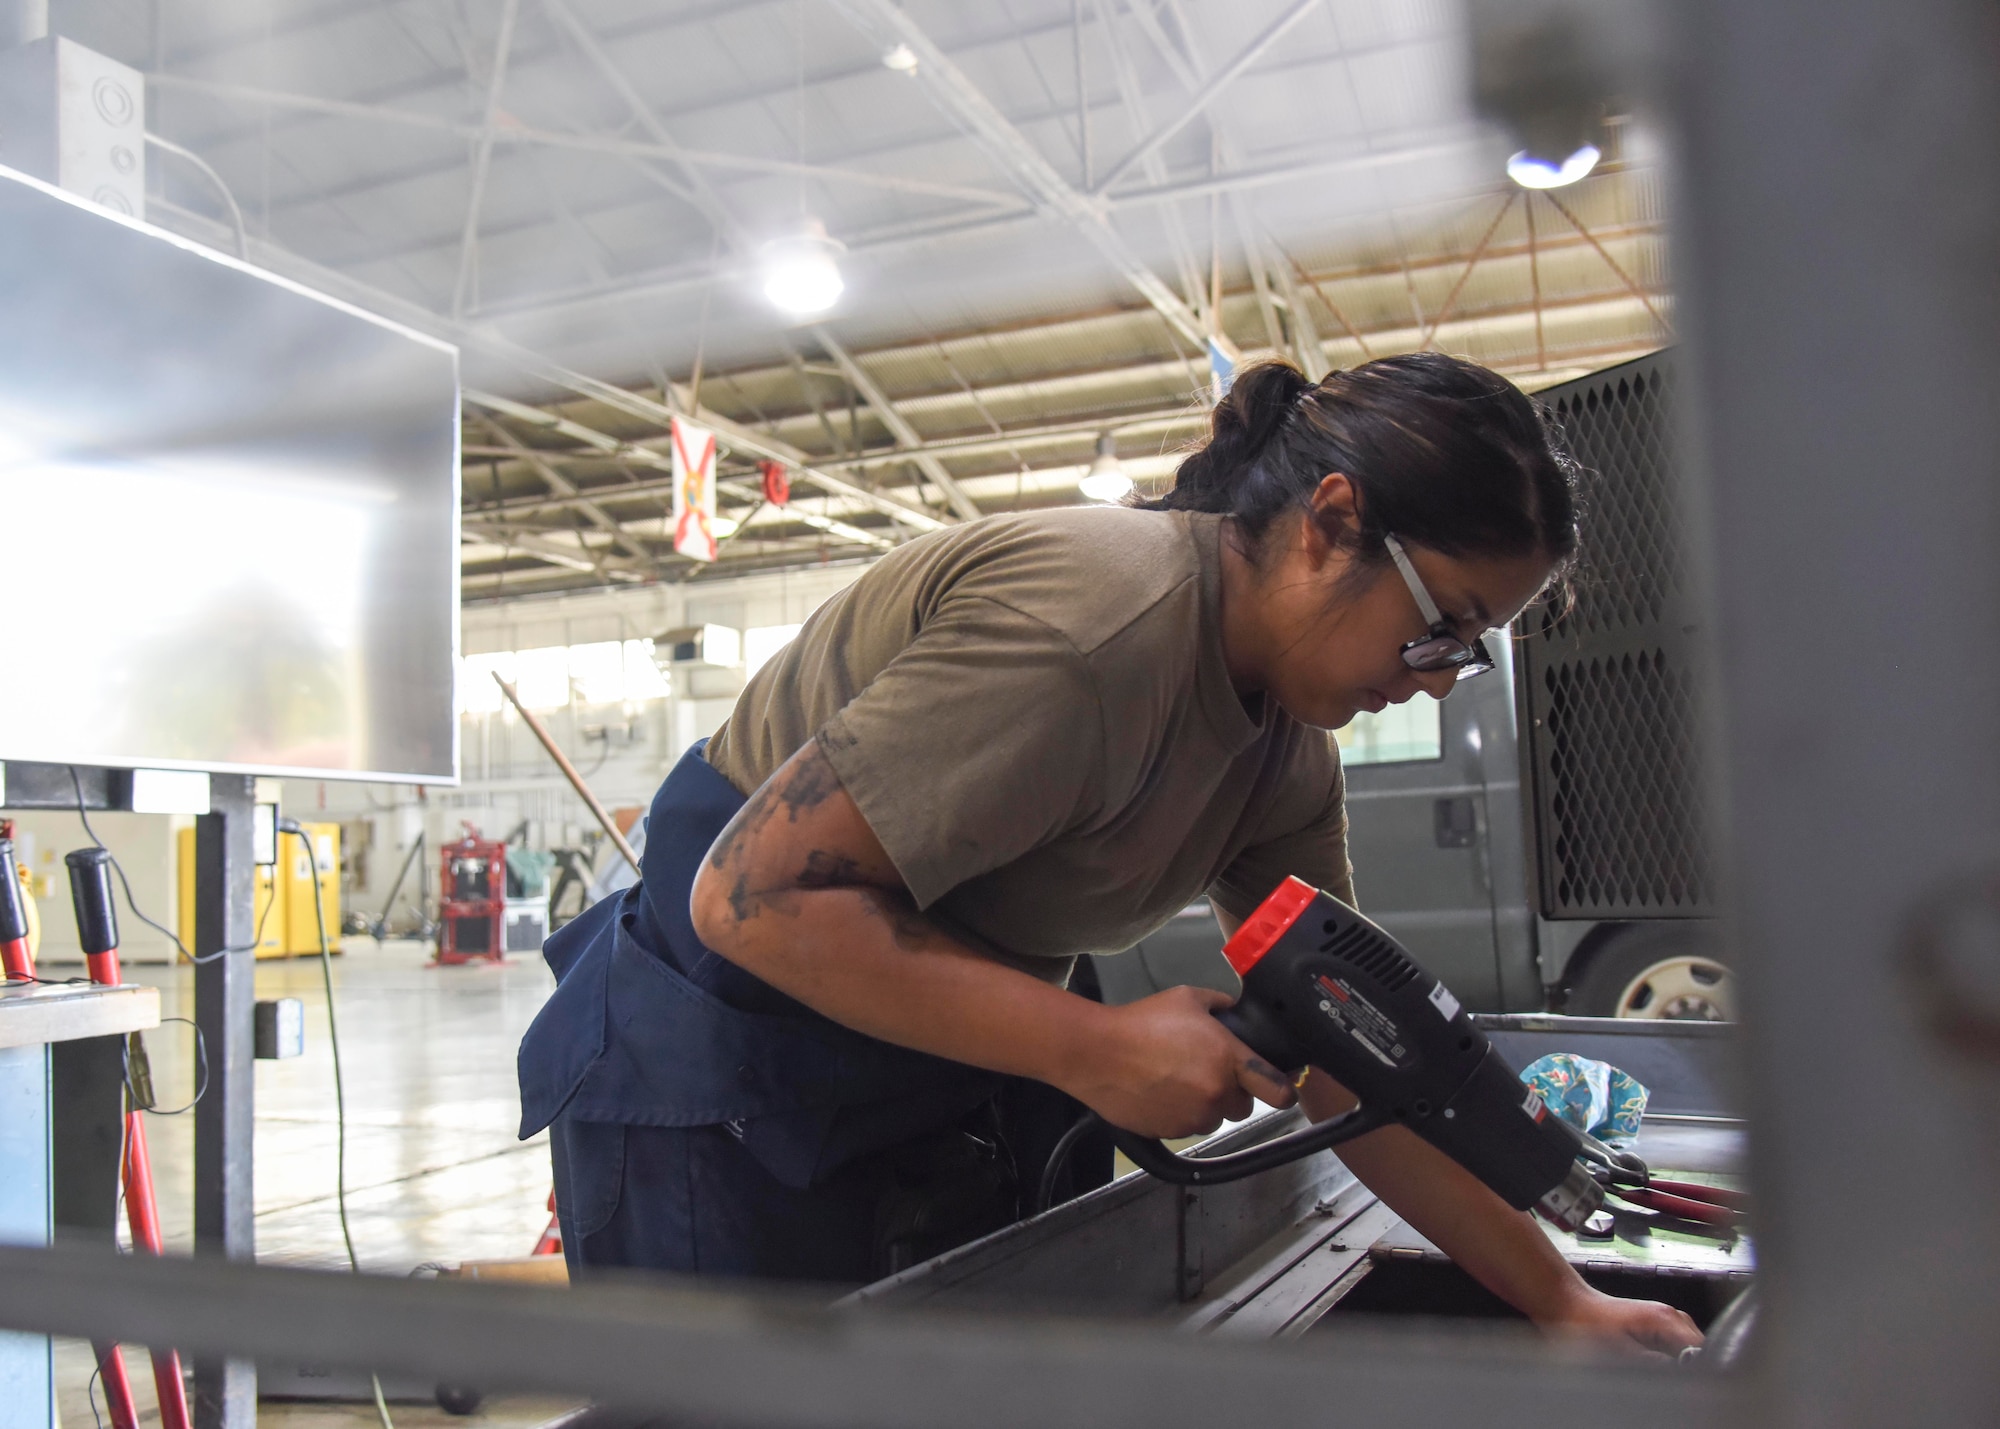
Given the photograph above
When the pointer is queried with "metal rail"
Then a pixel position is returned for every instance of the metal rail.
(774, 1361)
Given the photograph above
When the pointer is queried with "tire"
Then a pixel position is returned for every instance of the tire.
(1654, 970)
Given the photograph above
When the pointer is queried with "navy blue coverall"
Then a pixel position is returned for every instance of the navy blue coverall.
(700, 1121)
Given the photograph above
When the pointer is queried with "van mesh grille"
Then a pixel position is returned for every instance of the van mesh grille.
(1612, 704)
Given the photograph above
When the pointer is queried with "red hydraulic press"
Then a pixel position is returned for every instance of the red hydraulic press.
(472, 900)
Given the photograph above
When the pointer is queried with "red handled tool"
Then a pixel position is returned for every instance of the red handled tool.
(1686, 1200)
(14, 954)
(97, 929)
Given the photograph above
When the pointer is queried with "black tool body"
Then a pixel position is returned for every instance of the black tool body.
(1324, 987)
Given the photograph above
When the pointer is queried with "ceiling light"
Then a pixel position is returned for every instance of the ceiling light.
(1106, 480)
(902, 59)
(800, 272)
(1531, 171)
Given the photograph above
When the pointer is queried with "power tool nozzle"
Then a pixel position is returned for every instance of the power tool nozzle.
(1573, 1200)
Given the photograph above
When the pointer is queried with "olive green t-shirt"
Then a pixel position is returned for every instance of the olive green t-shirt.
(1033, 715)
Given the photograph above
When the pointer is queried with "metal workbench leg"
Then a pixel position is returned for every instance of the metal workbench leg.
(225, 1011)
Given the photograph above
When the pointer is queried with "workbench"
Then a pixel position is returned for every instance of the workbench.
(33, 1016)
(1302, 1248)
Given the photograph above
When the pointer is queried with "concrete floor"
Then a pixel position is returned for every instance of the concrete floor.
(434, 1171)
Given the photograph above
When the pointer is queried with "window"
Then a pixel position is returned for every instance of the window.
(761, 642)
(1398, 734)
(603, 672)
(543, 678)
(644, 679)
(477, 694)
(597, 671)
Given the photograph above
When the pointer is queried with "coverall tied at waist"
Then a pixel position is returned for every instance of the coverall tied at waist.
(703, 1122)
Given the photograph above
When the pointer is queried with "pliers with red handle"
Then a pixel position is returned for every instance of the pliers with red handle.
(1687, 1200)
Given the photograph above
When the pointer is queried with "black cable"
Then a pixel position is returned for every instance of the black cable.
(201, 1078)
(292, 827)
(1059, 1157)
(90, 1392)
(83, 814)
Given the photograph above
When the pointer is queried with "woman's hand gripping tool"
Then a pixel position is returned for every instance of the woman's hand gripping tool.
(1324, 987)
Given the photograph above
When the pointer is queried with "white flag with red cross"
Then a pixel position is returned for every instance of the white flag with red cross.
(694, 491)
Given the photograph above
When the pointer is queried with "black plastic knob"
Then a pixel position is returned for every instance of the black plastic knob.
(90, 892)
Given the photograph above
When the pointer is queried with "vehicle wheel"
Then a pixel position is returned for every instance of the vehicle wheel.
(457, 1399)
(1658, 970)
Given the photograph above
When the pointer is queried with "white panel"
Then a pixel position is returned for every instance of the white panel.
(169, 791)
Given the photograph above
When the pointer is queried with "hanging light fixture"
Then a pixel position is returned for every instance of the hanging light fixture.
(802, 271)
(1532, 171)
(902, 59)
(1106, 480)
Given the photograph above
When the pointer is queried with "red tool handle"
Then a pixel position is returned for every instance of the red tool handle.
(142, 1213)
(1695, 1191)
(117, 1386)
(97, 929)
(1680, 1206)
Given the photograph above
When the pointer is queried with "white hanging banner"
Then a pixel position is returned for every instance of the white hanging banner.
(694, 491)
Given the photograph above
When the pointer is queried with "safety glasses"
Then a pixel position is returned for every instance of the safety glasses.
(1438, 648)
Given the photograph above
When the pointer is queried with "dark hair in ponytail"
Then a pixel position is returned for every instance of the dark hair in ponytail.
(1444, 453)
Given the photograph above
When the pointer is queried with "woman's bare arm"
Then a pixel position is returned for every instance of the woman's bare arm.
(799, 891)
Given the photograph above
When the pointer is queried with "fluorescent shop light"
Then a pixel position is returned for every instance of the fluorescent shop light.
(801, 272)
(1531, 171)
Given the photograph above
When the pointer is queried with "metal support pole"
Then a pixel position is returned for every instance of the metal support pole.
(1838, 230)
(225, 1012)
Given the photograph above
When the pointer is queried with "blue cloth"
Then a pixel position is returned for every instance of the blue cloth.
(1590, 1095)
(702, 1121)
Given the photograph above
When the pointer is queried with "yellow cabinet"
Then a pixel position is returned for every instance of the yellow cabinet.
(284, 909)
(295, 903)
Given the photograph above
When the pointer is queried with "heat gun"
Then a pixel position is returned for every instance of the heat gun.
(1324, 987)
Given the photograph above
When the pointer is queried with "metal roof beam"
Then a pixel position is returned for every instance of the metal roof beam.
(552, 552)
(888, 24)
(563, 486)
(1005, 441)
(905, 435)
(706, 198)
(664, 282)
(732, 434)
(585, 143)
(1403, 338)
(1206, 95)
(482, 157)
(778, 515)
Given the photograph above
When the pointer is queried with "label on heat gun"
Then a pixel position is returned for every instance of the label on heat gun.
(1361, 1019)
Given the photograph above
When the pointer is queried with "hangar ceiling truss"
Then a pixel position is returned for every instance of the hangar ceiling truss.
(1049, 209)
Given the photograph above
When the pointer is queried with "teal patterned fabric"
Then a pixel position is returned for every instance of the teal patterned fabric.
(1592, 1096)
